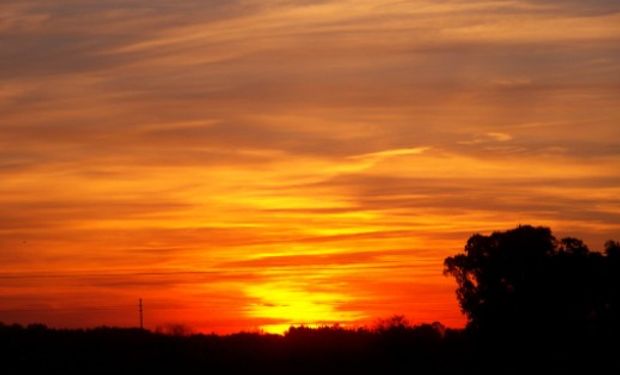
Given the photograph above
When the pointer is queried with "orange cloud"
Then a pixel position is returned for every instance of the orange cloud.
(255, 164)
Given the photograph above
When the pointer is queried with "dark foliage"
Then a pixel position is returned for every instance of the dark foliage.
(390, 349)
(534, 304)
(528, 295)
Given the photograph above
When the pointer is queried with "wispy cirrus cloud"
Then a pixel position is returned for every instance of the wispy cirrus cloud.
(228, 154)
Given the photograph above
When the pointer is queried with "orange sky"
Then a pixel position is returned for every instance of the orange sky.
(254, 164)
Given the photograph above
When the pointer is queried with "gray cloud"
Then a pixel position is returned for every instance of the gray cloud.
(581, 7)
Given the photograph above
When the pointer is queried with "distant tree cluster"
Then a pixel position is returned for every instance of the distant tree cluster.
(388, 348)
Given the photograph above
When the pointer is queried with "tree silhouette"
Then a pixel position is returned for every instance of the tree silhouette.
(535, 305)
(525, 282)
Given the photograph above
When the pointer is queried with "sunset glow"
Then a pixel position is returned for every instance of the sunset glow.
(248, 165)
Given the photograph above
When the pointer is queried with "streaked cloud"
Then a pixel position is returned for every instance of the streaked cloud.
(219, 157)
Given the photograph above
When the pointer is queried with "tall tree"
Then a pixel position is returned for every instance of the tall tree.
(524, 281)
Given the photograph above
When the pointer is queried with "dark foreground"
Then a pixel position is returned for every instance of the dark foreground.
(397, 349)
(535, 305)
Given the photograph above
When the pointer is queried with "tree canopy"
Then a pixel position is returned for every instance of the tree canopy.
(525, 281)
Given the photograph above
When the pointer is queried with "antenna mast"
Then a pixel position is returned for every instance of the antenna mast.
(141, 309)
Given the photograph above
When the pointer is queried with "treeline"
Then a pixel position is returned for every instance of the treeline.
(391, 348)
(534, 304)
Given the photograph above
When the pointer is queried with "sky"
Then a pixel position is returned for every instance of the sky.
(247, 165)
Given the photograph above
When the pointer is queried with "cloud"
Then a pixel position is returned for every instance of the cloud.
(512, 83)
(499, 137)
(580, 7)
(186, 151)
(386, 154)
(365, 258)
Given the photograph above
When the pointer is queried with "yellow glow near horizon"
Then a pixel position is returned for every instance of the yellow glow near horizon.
(286, 301)
(255, 164)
